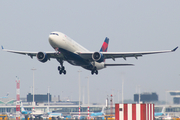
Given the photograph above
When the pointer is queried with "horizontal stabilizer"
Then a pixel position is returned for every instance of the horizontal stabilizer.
(119, 64)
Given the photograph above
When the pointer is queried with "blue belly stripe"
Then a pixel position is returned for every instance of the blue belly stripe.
(75, 59)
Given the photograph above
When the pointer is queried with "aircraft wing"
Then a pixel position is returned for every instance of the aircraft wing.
(124, 55)
(52, 54)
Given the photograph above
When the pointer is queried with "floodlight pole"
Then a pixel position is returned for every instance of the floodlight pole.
(79, 93)
(33, 86)
(48, 95)
(139, 95)
(48, 100)
(122, 91)
(88, 95)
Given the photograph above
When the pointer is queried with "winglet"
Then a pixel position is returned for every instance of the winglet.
(174, 49)
(2, 47)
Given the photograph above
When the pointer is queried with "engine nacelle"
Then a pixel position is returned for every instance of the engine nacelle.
(98, 57)
(42, 57)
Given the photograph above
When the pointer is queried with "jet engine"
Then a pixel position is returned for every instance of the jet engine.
(98, 57)
(42, 57)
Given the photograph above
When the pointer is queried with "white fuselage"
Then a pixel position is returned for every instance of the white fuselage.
(60, 40)
(62, 43)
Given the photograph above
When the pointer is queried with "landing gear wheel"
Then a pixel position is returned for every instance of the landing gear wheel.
(59, 68)
(60, 72)
(64, 71)
(96, 72)
(92, 72)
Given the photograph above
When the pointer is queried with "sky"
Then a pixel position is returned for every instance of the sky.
(131, 26)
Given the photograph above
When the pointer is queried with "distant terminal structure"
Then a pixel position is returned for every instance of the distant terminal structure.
(146, 97)
(7, 101)
(40, 98)
(176, 96)
(43, 98)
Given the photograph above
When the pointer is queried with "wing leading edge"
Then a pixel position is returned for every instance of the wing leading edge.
(124, 55)
(32, 54)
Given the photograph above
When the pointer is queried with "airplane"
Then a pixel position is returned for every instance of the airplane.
(56, 115)
(36, 113)
(68, 50)
(53, 114)
(98, 114)
(5, 96)
(25, 112)
(160, 114)
(32, 113)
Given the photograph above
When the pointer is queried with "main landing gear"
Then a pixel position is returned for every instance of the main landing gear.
(94, 70)
(61, 68)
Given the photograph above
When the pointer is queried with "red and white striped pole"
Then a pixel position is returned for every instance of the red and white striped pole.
(79, 112)
(88, 96)
(88, 112)
(18, 100)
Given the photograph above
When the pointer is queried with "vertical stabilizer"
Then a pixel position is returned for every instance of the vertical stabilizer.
(48, 109)
(22, 108)
(105, 45)
(102, 111)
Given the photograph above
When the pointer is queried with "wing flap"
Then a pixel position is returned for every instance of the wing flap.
(119, 64)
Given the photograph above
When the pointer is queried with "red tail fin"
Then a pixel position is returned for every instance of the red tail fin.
(105, 45)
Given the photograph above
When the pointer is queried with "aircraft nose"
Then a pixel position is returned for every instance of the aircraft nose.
(50, 38)
(56, 39)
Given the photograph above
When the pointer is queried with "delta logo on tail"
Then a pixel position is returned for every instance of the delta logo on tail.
(105, 45)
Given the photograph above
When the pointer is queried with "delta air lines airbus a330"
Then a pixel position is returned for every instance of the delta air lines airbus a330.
(68, 50)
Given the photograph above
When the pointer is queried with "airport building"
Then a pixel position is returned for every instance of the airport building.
(176, 96)
(7, 101)
(172, 110)
(8, 105)
(146, 97)
(65, 107)
(39, 98)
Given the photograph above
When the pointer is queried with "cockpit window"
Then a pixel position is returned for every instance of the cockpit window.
(54, 34)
